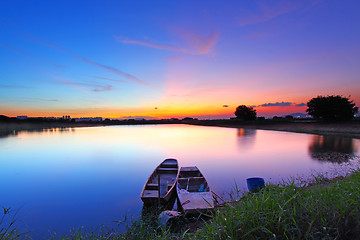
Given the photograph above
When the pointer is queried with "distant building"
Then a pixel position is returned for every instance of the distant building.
(88, 119)
(66, 117)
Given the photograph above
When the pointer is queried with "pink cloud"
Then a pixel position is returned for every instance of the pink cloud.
(196, 45)
(152, 45)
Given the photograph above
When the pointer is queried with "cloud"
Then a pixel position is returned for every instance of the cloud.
(42, 99)
(152, 45)
(196, 45)
(282, 104)
(89, 61)
(109, 79)
(94, 87)
(266, 11)
(102, 88)
(277, 104)
(109, 69)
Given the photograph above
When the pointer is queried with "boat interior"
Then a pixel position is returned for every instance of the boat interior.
(191, 180)
(168, 172)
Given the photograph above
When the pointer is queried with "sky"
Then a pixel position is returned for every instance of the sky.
(165, 59)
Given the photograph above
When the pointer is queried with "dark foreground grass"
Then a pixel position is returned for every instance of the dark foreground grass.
(325, 210)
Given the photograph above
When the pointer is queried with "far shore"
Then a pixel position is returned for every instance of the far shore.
(344, 129)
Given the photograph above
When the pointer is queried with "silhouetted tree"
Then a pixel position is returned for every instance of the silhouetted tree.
(246, 113)
(331, 108)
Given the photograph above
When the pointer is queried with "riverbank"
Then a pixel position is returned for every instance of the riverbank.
(322, 209)
(344, 129)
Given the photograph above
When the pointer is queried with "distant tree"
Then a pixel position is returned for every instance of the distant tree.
(246, 113)
(276, 118)
(332, 108)
(289, 117)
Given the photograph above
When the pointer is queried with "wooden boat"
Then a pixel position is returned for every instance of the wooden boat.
(154, 193)
(193, 192)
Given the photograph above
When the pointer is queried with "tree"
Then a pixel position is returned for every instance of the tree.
(332, 108)
(246, 113)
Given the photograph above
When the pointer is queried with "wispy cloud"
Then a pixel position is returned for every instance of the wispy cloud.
(282, 104)
(195, 45)
(108, 79)
(80, 85)
(41, 99)
(268, 10)
(153, 45)
(110, 69)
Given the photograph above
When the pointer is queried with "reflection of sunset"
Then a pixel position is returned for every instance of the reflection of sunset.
(82, 165)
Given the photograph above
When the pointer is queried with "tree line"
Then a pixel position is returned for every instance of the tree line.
(328, 108)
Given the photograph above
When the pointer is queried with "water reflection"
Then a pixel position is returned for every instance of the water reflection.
(246, 138)
(91, 175)
(332, 148)
(9, 133)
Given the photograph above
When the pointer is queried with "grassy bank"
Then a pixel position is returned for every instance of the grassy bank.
(325, 209)
(343, 129)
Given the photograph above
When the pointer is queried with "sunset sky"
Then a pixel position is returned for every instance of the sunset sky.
(163, 59)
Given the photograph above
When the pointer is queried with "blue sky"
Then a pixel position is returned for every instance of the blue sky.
(159, 59)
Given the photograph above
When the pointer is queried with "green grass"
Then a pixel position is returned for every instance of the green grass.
(8, 229)
(291, 212)
(323, 210)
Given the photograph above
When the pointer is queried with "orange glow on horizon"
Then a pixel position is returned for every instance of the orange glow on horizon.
(160, 112)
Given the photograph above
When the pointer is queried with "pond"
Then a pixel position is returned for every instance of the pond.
(59, 179)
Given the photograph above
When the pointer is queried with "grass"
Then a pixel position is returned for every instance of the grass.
(8, 230)
(322, 210)
(292, 212)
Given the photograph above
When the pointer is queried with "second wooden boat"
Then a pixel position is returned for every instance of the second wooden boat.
(193, 192)
(161, 185)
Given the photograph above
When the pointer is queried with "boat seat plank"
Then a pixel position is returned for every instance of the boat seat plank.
(151, 193)
(192, 178)
(189, 169)
(152, 186)
(167, 169)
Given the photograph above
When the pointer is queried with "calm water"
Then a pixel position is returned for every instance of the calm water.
(67, 178)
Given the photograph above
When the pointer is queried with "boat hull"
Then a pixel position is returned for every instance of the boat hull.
(160, 188)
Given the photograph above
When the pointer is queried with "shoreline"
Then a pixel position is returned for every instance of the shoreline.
(342, 129)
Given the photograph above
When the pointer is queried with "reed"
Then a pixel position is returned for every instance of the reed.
(8, 229)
